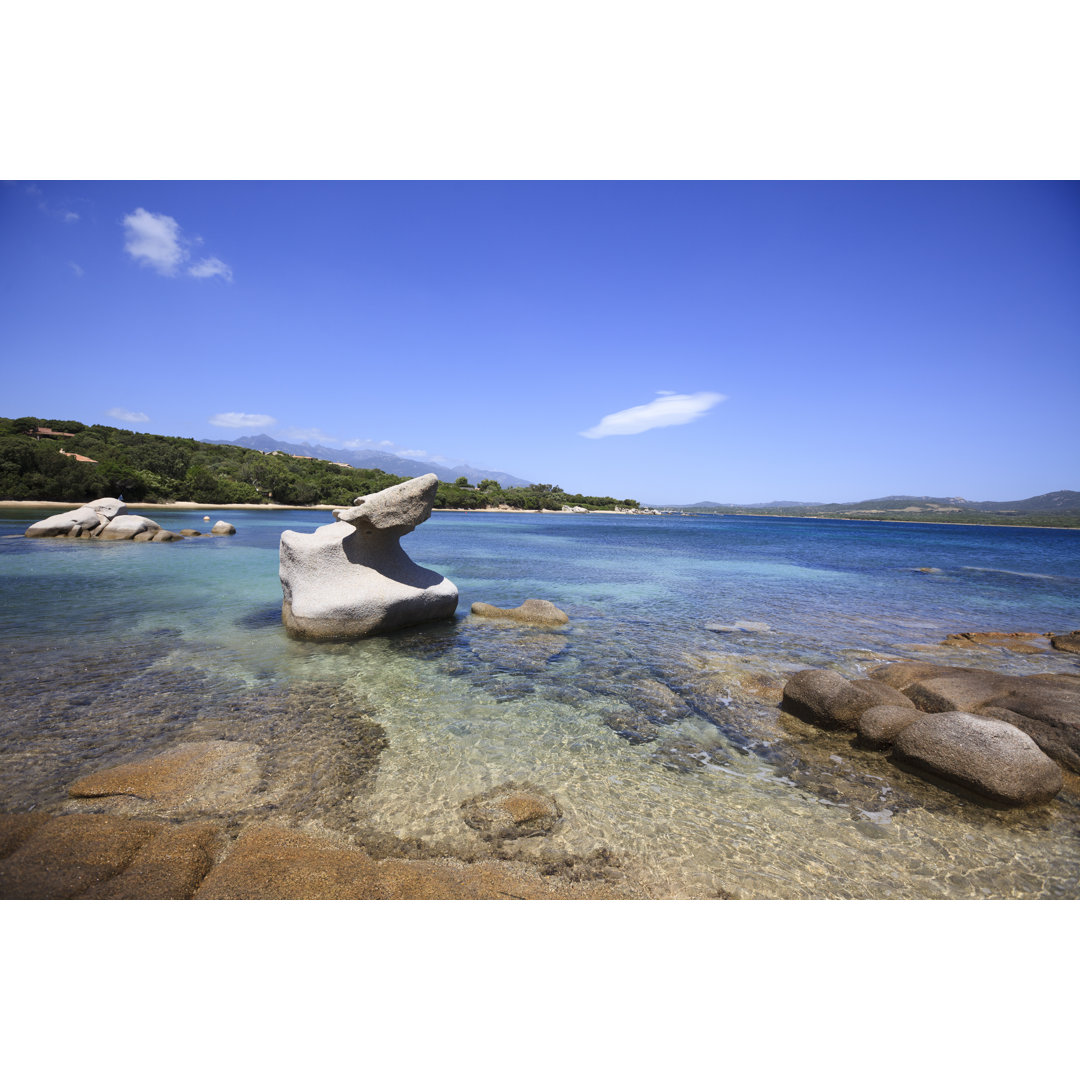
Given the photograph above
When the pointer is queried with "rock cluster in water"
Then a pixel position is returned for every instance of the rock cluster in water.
(352, 579)
(1004, 737)
(108, 519)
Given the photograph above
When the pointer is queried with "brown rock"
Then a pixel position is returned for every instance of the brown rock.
(212, 774)
(537, 612)
(169, 867)
(1016, 642)
(15, 828)
(511, 811)
(1049, 712)
(960, 692)
(879, 726)
(900, 675)
(827, 699)
(190, 532)
(1069, 642)
(166, 536)
(979, 754)
(66, 856)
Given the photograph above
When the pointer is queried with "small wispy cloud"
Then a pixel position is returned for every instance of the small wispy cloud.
(241, 420)
(156, 241)
(127, 415)
(667, 410)
(212, 267)
(61, 213)
(76, 269)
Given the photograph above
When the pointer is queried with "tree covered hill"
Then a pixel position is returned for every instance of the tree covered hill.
(66, 461)
(1059, 509)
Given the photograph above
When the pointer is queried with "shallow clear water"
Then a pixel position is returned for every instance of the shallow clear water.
(659, 738)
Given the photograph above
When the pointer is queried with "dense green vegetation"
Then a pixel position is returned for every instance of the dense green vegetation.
(162, 468)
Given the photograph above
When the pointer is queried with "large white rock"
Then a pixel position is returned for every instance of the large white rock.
(352, 579)
(63, 524)
(127, 527)
(89, 519)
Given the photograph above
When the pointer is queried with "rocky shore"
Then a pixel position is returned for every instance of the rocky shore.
(1004, 738)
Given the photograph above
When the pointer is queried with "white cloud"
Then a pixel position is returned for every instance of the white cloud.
(212, 267)
(76, 269)
(155, 240)
(70, 216)
(667, 410)
(241, 420)
(128, 415)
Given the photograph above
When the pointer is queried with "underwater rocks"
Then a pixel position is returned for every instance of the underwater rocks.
(998, 736)
(534, 612)
(209, 775)
(742, 626)
(511, 811)
(105, 857)
(352, 579)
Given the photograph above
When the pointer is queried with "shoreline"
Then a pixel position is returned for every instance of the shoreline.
(54, 505)
(16, 504)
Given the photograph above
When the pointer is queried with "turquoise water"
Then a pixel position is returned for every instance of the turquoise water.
(659, 738)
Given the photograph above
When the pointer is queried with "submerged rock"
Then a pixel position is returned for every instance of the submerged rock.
(536, 612)
(987, 756)
(511, 811)
(352, 579)
(208, 774)
(745, 626)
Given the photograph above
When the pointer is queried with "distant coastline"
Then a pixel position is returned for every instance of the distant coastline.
(17, 503)
(54, 505)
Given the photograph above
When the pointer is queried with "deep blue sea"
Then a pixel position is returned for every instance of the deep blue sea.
(659, 737)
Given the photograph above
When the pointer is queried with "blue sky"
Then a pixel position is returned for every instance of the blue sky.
(669, 341)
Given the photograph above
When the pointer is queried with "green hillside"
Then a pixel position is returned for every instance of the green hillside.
(40, 459)
(1058, 509)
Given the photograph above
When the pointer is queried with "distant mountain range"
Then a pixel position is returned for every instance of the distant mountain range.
(377, 459)
(1055, 502)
